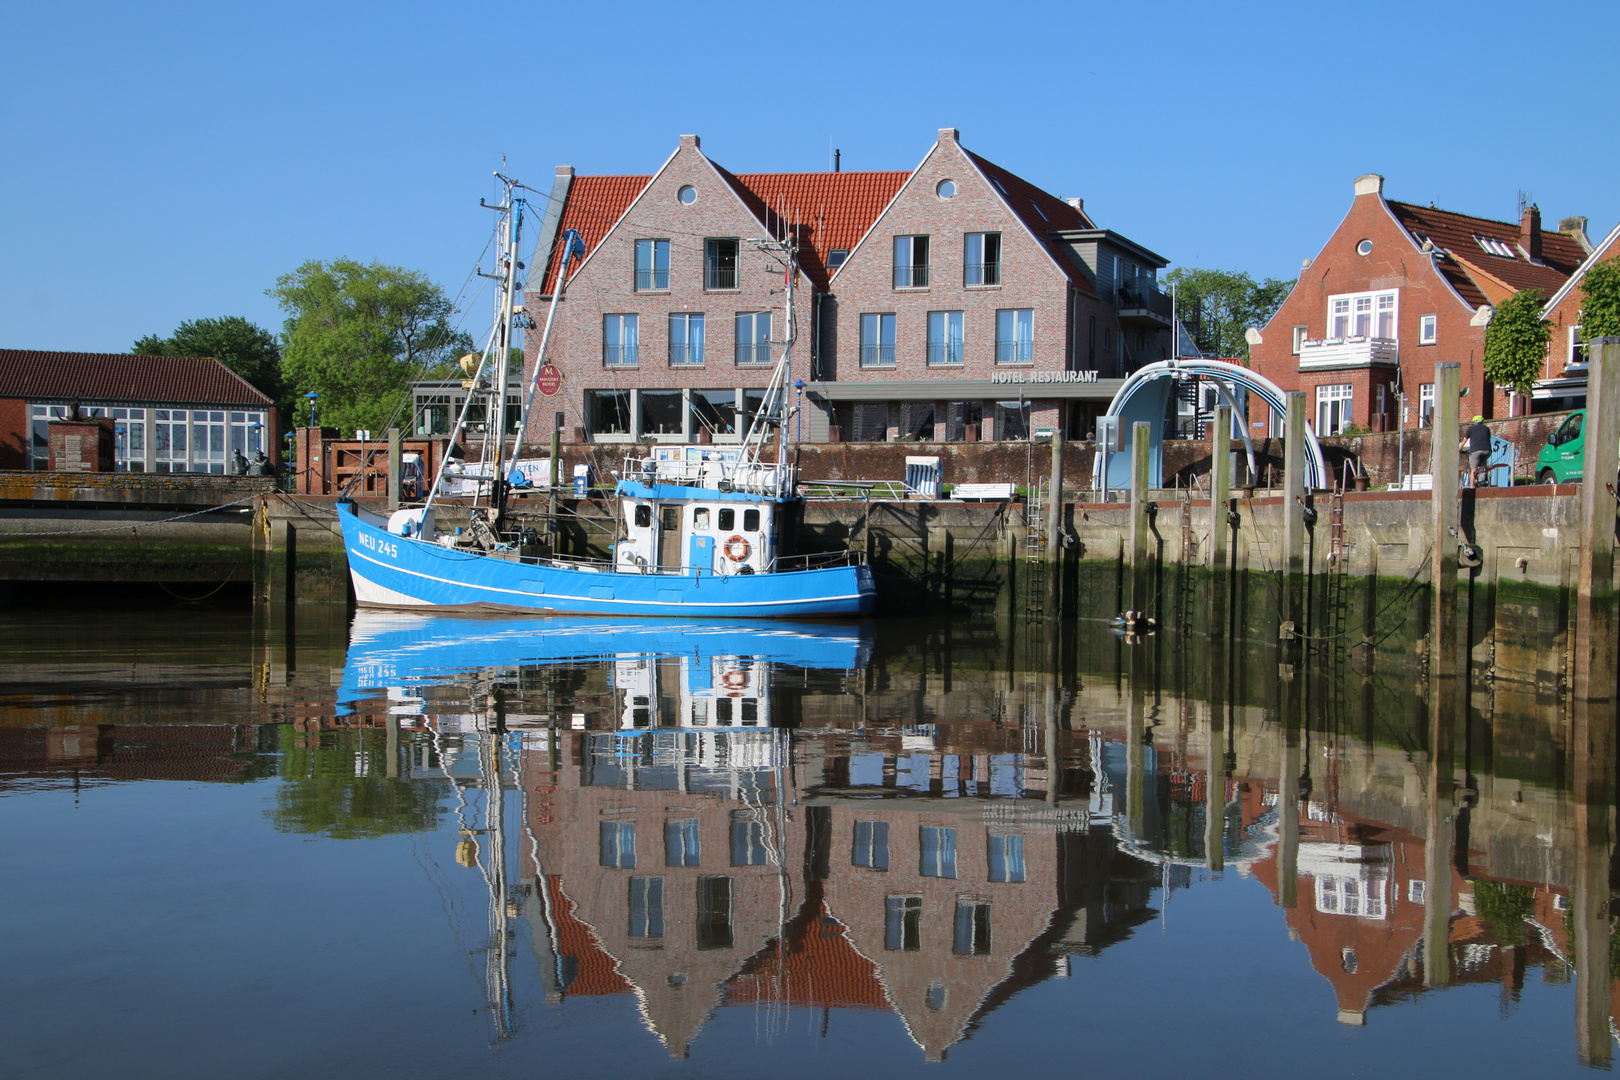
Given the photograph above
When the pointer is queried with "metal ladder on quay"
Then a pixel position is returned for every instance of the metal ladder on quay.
(1035, 549)
(1337, 595)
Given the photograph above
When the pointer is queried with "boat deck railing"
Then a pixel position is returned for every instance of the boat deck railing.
(822, 560)
(772, 480)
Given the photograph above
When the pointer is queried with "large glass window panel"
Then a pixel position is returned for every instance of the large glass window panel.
(720, 264)
(748, 844)
(652, 264)
(902, 923)
(714, 913)
(877, 339)
(972, 931)
(981, 259)
(646, 907)
(872, 845)
(608, 411)
(1015, 336)
(1007, 858)
(618, 844)
(754, 337)
(911, 262)
(944, 337)
(681, 846)
(714, 411)
(685, 339)
(661, 412)
(938, 857)
(621, 341)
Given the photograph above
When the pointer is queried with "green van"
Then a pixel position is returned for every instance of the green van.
(1563, 459)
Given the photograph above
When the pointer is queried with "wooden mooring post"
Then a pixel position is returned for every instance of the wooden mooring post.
(1293, 605)
(1220, 499)
(1446, 499)
(1141, 529)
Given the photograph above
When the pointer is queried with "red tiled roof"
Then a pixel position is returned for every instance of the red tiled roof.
(1479, 276)
(1042, 212)
(595, 972)
(832, 209)
(594, 204)
(115, 378)
(821, 969)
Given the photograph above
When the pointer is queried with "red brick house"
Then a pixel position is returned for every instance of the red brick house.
(171, 413)
(952, 302)
(1396, 289)
(1563, 383)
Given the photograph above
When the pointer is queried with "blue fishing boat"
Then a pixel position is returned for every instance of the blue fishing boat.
(699, 533)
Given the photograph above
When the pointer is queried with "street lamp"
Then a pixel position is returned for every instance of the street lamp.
(311, 398)
(798, 422)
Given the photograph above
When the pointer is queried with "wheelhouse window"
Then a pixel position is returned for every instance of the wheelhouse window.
(652, 265)
(720, 264)
(754, 337)
(877, 340)
(751, 521)
(1015, 336)
(911, 262)
(1365, 315)
(981, 259)
(685, 339)
(1333, 405)
(621, 340)
(944, 337)
(726, 519)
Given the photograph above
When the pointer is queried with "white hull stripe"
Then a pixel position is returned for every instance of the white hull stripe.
(565, 598)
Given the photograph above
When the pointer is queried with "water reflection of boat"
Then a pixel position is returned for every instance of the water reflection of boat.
(392, 649)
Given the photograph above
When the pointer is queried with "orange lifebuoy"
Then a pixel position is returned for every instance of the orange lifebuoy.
(734, 679)
(737, 549)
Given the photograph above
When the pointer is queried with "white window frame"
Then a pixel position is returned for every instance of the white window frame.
(753, 344)
(622, 355)
(877, 339)
(1335, 404)
(978, 267)
(690, 356)
(1426, 405)
(1428, 329)
(652, 278)
(1361, 315)
(1301, 334)
(946, 341)
(911, 257)
(1020, 348)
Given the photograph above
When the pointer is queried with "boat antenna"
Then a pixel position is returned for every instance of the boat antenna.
(572, 247)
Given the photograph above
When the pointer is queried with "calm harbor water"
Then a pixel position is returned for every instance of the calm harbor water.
(401, 845)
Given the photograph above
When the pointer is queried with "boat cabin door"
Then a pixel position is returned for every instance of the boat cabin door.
(669, 537)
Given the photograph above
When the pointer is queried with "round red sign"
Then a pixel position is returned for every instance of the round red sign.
(550, 380)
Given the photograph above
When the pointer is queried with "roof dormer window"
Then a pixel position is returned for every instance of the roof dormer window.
(1493, 246)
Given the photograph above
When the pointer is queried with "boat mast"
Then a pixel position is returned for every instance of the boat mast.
(572, 247)
(774, 408)
(506, 262)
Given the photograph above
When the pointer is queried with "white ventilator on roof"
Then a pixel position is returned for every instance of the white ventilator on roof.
(1145, 396)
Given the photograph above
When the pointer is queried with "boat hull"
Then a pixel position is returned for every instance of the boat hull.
(396, 571)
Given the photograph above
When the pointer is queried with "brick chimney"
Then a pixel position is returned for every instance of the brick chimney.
(1530, 232)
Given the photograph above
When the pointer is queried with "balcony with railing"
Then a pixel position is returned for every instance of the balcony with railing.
(1348, 352)
(981, 273)
(1015, 351)
(652, 280)
(911, 277)
(753, 353)
(620, 355)
(1145, 307)
(944, 353)
(877, 356)
(685, 355)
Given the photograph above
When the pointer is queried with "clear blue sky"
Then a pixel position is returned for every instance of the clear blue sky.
(168, 161)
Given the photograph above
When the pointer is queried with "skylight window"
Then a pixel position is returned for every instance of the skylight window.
(1494, 246)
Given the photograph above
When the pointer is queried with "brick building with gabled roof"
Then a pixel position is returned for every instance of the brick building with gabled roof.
(1016, 313)
(1396, 289)
(171, 413)
(1563, 382)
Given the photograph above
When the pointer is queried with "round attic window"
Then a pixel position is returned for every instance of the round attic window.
(1364, 248)
(946, 189)
(687, 194)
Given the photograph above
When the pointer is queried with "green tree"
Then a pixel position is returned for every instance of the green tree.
(1223, 304)
(250, 351)
(357, 335)
(338, 787)
(1600, 301)
(1516, 341)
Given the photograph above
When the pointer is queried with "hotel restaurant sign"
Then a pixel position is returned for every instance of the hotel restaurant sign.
(1022, 377)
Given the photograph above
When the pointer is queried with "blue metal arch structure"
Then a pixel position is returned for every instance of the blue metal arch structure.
(1145, 396)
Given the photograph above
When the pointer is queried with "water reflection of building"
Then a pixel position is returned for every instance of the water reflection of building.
(922, 870)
